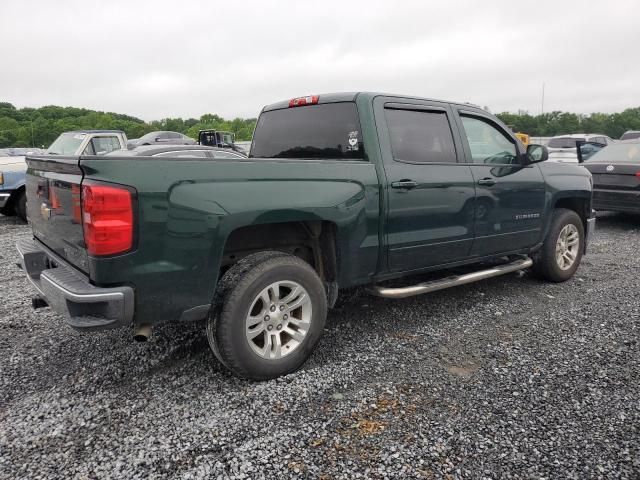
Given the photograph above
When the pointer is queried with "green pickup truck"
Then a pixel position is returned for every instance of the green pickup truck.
(340, 190)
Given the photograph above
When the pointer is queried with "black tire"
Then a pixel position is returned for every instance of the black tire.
(545, 264)
(8, 211)
(21, 205)
(225, 284)
(237, 290)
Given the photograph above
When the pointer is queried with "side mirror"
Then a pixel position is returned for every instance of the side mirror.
(537, 153)
(157, 139)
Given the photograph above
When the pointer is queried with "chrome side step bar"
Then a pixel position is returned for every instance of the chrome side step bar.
(452, 281)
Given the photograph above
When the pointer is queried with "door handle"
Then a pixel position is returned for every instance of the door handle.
(487, 181)
(406, 184)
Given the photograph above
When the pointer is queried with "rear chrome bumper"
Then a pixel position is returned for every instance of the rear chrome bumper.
(69, 292)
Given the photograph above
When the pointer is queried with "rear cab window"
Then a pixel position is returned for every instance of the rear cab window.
(329, 131)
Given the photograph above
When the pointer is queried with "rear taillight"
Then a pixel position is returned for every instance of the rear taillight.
(107, 219)
(301, 101)
(638, 174)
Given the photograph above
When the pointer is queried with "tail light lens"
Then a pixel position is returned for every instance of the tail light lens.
(107, 219)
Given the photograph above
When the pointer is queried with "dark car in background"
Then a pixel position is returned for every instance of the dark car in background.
(159, 138)
(563, 148)
(616, 177)
(179, 151)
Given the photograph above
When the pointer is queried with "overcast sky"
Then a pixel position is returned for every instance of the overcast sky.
(161, 58)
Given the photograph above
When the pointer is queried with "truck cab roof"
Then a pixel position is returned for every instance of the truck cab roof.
(351, 97)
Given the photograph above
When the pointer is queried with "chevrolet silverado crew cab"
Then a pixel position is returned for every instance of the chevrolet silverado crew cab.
(340, 190)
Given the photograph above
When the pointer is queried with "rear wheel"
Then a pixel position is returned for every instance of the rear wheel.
(273, 313)
(21, 205)
(561, 253)
(7, 211)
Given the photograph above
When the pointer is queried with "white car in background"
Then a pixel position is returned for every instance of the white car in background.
(563, 147)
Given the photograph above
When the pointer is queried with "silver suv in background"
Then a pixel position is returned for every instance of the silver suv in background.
(563, 148)
(161, 138)
(630, 135)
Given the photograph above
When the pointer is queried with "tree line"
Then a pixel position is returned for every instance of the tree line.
(29, 127)
(560, 123)
(39, 127)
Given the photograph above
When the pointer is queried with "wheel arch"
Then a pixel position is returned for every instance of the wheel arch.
(579, 204)
(314, 241)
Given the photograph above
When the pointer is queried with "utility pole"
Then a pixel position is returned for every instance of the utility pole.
(542, 104)
(33, 143)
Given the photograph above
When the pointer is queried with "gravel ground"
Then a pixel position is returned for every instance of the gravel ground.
(508, 378)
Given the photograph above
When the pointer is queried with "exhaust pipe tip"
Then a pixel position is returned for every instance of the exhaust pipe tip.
(37, 302)
(142, 333)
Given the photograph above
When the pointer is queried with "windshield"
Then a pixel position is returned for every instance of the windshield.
(327, 131)
(66, 144)
(618, 153)
(563, 142)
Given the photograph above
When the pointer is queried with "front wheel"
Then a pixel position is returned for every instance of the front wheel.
(273, 313)
(561, 253)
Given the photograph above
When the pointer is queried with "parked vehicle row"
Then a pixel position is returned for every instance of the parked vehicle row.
(563, 148)
(98, 142)
(339, 190)
(211, 138)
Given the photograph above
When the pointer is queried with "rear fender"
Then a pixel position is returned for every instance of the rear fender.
(271, 202)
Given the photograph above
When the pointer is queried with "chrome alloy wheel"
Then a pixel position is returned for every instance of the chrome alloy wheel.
(567, 246)
(278, 320)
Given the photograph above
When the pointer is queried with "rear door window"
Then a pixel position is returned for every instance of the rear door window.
(420, 136)
(328, 131)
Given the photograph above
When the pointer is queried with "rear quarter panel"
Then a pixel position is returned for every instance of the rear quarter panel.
(187, 209)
